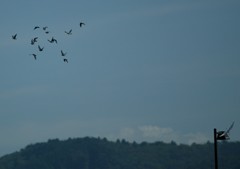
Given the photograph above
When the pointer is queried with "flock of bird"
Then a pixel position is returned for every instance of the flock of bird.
(52, 40)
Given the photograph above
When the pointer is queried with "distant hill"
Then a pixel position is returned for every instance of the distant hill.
(96, 153)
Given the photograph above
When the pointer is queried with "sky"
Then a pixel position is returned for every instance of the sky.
(139, 70)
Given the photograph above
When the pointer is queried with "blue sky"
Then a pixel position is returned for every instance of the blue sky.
(139, 70)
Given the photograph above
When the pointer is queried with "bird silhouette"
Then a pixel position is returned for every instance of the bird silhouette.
(35, 39)
(36, 27)
(227, 132)
(224, 135)
(45, 28)
(40, 49)
(32, 42)
(69, 32)
(14, 37)
(34, 55)
(55, 40)
(52, 40)
(63, 54)
(81, 24)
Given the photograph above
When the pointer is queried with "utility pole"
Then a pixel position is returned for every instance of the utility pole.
(215, 148)
(220, 135)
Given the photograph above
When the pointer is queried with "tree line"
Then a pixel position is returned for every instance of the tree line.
(100, 153)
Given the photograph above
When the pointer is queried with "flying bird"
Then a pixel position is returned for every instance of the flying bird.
(224, 135)
(52, 40)
(69, 32)
(35, 39)
(32, 42)
(36, 27)
(40, 49)
(14, 37)
(63, 54)
(230, 128)
(81, 24)
(45, 28)
(34, 55)
(65, 60)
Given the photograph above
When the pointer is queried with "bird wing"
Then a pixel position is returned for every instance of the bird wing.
(14, 36)
(69, 32)
(36, 27)
(35, 39)
(230, 128)
(227, 131)
(39, 47)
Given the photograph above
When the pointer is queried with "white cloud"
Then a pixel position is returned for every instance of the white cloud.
(156, 133)
(196, 138)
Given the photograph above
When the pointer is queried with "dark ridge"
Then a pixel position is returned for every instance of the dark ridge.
(99, 153)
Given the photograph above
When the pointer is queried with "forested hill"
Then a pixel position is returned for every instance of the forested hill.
(96, 153)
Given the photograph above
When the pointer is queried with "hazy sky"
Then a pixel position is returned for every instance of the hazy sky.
(143, 70)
